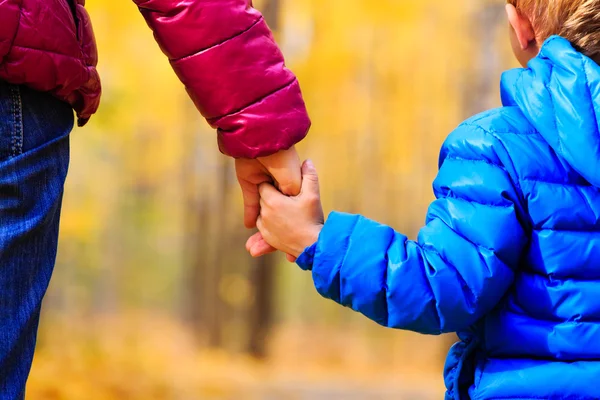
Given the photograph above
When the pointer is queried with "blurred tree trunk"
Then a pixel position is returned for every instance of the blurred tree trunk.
(105, 286)
(262, 276)
(207, 247)
(482, 88)
(271, 11)
(262, 314)
(205, 198)
(196, 215)
(196, 278)
(213, 304)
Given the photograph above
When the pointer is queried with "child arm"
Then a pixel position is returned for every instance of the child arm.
(462, 263)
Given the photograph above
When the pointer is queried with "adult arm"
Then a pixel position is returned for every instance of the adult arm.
(225, 55)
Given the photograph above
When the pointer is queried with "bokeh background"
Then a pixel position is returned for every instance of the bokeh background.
(154, 296)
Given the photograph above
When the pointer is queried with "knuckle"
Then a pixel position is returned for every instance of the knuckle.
(268, 237)
(288, 187)
(284, 187)
(312, 199)
(269, 202)
(262, 188)
(265, 213)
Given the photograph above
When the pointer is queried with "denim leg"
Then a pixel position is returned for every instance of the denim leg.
(34, 158)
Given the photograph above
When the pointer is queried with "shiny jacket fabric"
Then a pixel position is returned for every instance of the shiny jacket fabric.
(222, 51)
(43, 47)
(510, 254)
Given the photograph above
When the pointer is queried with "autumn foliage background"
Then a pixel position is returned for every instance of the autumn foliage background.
(154, 296)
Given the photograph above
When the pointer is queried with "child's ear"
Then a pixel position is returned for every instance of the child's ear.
(522, 27)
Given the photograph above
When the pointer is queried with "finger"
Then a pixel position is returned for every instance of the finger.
(252, 240)
(259, 225)
(261, 248)
(289, 182)
(263, 205)
(251, 203)
(267, 192)
(310, 179)
(290, 258)
(285, 169)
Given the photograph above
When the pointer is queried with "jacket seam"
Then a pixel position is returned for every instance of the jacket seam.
(476, 160)
(554, 321)
(566, 230)
(554, 117)
(478, 246)
(51, 52)
(519, 193)
(493, 135)
(586, 202)
(464, 238)
(556, 183)
(526, 223)
(344, 259)
(556, 277)
(195, 53)
(385, 278)
(454, 196)
(515, 181)
(589, 90)
(12, 42)
(463, 281)
(426, 266)
(516, 83)
(493, 131)
(213, 120)
(16, 147)
(445, 260)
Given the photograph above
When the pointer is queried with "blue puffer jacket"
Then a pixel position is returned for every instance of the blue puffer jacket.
(510, 255)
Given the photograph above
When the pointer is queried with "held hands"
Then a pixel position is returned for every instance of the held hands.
(283, 168)
(289, 224)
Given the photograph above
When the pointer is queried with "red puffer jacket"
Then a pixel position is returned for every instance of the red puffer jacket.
(222, 50)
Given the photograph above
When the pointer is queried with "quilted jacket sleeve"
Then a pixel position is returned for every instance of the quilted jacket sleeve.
(225, 55)
(460, 267)
(9, 21)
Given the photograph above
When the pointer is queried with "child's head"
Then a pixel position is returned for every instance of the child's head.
(533, 21)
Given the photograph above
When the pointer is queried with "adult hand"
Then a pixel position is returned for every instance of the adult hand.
(291, 224)
(283, 169)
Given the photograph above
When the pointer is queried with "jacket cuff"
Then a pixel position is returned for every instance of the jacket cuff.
(275, 123)
(330, 253)
(305, 261)
(333, 241)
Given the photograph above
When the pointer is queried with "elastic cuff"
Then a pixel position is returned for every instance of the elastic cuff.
(306, 259)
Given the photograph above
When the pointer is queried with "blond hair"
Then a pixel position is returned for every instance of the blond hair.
(576, 20)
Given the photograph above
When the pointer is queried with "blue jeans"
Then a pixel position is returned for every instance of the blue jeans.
(34, 158)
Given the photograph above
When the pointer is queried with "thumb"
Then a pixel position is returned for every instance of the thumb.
(310, 179)
(284, 167)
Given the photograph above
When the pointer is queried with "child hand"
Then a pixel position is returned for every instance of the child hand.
(290, 224)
